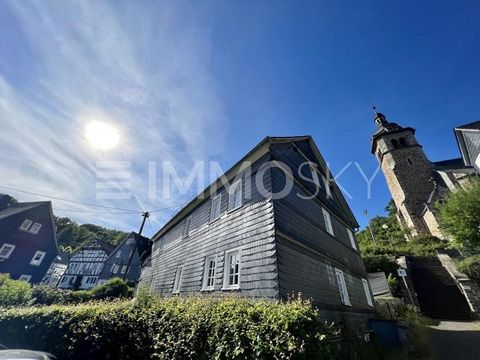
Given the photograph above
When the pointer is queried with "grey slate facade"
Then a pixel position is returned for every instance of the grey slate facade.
(28, 243)
(116, 263)
(265, 245)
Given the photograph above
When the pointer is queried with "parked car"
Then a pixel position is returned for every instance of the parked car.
(19, 354)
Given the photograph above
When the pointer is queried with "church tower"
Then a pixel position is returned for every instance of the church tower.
(407, 170)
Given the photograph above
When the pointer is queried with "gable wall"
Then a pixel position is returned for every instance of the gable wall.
(27, 244)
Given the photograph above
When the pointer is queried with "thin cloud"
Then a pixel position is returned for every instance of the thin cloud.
(146, 70)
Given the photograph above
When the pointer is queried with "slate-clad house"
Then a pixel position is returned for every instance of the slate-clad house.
(85, 265)
(116, 264)
(468, 138)
(28, 243)
(237, 237)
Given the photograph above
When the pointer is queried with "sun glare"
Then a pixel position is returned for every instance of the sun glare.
(102, 136)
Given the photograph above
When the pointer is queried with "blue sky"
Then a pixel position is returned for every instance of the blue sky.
(188, 81)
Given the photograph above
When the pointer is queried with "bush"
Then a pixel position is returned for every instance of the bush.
(14, 292)
(172, 328)
(45, 295)
(114, 288)
(419, 246)
(470, 266)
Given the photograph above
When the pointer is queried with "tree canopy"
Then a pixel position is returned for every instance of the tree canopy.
(460, 217)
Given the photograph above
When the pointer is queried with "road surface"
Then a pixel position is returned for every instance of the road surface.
(455, 340)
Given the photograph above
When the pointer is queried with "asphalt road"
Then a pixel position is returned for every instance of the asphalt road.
(454, 340)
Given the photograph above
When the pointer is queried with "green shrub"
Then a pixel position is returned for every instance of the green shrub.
(171, 328)
(78, 296)
(45, 295)
(420, 246)
(14, 292)
(470, 266)
(112, 289)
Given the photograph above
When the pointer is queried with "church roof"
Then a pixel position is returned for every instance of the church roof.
(384, 127)
(453, 165)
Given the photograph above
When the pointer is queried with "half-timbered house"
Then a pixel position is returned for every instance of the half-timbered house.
(85, 265)
(274, 225)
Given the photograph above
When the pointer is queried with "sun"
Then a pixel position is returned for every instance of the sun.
(102, 136)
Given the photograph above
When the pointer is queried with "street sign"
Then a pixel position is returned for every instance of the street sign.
(402, 272)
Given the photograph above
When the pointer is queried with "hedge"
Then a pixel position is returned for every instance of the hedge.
(171, 328)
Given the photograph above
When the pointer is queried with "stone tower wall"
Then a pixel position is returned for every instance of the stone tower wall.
(408, 174)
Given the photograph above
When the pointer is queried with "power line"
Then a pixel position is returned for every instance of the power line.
(66, 200)
(97, 212)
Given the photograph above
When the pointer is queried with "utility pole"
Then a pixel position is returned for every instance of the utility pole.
(145, 216)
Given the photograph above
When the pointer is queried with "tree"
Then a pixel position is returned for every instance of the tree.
(460, 217)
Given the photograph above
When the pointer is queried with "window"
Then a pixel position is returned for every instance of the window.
(130, 241)
(115, 268)
(186, 227)
(26, 225)
(6, 250)
(235, 195)
(178, 280)
(91, 280)
(231, 276)
(119, 253)
(35, 228)
(328, 189)
(37, 258)
(216, 207)
(209, 273)
(342, 287)
(394, 143)
(328, 221)
(366, 288)
(409, 161)
(25, 277)
(403, 142)
(352, 239)
(124, 268)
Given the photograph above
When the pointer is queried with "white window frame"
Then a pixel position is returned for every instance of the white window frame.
(366, 289)
(177, 283)
(39, 261)
(124, 269)
(235, 188)
(118, 254)
(187, 226)
(352, 239)
(342, 287)
(206, 272)
(328, 222)
(129, 241)
(7, 255)
(328, 190)
(25, 277)
(26, 225)
(216, 200)
(226, 269)
(115, 268)
(35, 228)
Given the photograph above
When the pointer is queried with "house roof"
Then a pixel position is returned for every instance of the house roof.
(262, 148)
(459, 135)
(17, 208)
(143, 243)
(107, 247)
